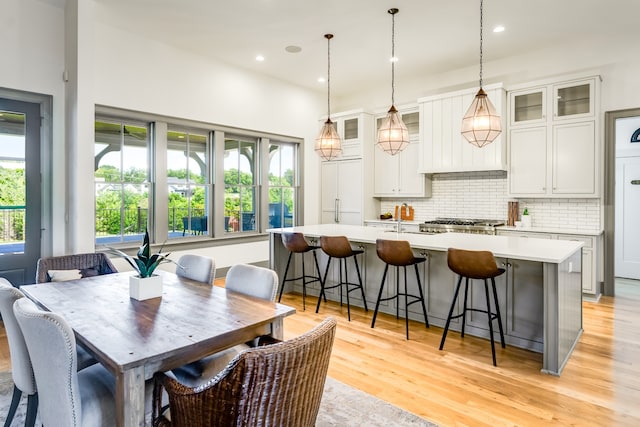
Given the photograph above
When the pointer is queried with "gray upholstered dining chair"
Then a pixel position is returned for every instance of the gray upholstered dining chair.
(80, 265)
(196, 267)
(248, 279)
(21, 370)
(252, 280)
(279, 384)
(65, 397)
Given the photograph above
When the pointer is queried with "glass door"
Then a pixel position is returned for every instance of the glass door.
(20, 204)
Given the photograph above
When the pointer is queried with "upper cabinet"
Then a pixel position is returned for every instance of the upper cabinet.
(398, 176)
(443, 148)
(557, 154)
(356, 129)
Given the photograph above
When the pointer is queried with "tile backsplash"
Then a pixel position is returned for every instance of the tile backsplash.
(484, 195)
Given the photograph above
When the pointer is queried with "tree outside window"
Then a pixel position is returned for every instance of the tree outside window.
(240, 161)
(121, 181)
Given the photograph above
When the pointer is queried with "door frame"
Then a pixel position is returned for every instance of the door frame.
(46, 144)
(609, 201)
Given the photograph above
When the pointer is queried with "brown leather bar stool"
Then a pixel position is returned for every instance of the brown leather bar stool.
(399, 254)
(340, 248)
(296, 244)
(475, 265)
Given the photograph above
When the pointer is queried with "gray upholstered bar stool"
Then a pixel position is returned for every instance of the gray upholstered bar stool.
(340, 248)
(479, 265)
(399, 254)
(296, 244)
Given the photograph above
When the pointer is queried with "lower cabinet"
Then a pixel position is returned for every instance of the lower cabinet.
(590, 253)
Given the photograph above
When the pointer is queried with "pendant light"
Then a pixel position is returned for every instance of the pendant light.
(481, 122)
(393, 135)
(328, 144)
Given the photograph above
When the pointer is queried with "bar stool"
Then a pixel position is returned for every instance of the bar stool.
(475, 265)
(339, 247)
(399, 254)
(296, 244)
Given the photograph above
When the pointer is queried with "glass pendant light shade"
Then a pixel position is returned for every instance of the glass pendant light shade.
(393, 135)
(328, 144)
(481, 123)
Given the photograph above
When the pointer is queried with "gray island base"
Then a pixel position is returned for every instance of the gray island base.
(540, 294)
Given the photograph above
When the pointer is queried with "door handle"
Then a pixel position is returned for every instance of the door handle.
(635, 182)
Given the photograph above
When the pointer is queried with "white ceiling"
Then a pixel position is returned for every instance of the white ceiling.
(431, 36)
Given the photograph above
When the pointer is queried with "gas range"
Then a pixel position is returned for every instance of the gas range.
(461, 225)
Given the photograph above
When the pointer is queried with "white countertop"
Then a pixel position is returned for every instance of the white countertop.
(530, 249)
(551, 230)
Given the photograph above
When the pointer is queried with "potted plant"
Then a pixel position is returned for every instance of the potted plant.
(145, 284)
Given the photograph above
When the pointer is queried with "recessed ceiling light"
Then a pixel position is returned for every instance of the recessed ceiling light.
(293, 49)
(498, 29)
(321, 80)
(259, 58)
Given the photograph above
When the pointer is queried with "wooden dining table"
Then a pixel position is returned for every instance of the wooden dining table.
(134, 339)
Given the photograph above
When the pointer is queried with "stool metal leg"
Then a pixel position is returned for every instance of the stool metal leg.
(453, 304)
(406, 301)
(364, 300)
(375, 313)
(424, 307)
(315, 258)
(495, 299)
(493, 346)
(322, 282)
(397, 292)
(346, 285)
(284, 278)
(464, 310)
(304, 284)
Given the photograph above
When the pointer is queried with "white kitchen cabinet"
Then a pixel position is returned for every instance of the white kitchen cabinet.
(356, 129)
(590, 253)
(443, 148)
(397, 175)
(555, 155)
(347, 182)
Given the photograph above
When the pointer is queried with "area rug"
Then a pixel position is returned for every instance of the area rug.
(342, 405)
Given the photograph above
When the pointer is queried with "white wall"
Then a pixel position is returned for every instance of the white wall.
(33, 61)
(614, 60)
(139, 74)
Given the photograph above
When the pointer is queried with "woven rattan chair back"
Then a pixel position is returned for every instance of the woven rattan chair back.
(98, 263)
(291, 373)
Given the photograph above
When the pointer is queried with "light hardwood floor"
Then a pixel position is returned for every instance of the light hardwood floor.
(459, 386)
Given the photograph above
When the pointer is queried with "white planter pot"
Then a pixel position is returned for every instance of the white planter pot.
(142, 288)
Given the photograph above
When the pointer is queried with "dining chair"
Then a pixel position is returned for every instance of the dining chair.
(279, 384)
(65, 397)
(197, 267)
(21, 369)
(70, 267)
(247, 279)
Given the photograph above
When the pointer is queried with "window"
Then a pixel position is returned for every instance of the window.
(187, 181)
(121, 181)
(168, 175)
(240, 187)
(282, 184)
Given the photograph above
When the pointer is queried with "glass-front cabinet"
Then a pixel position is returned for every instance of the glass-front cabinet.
(573, 100)
(528, 107)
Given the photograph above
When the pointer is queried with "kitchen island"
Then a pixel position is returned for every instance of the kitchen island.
(540, 295)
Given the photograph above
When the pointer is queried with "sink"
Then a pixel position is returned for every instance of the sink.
(409, 232)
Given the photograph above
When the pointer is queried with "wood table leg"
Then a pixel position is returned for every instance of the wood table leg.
(130, 397)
